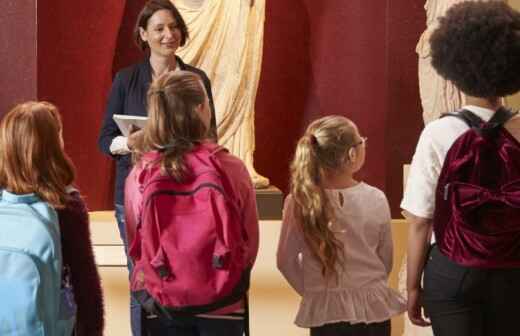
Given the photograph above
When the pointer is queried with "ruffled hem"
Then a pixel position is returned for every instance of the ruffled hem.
(356, 305)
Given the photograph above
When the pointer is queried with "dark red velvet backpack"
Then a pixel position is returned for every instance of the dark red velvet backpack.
(477, 203)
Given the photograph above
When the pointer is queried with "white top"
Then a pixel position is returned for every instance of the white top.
(362, 294)
(434, 143)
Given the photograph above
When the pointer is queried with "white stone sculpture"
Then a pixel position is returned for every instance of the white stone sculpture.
(437, 94)
(226, 41)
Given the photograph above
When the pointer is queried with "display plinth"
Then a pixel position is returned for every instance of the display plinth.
(270, 203)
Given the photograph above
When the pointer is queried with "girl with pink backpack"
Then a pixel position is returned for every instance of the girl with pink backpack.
(192, 224)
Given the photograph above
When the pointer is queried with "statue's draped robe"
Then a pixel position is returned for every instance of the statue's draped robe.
(226, 41)
(437, 94)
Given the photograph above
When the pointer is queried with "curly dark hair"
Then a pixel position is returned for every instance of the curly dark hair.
(477, 47)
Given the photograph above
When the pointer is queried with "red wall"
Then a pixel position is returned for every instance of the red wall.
(18, 52)
(406, 20)
(76, 44)
(355, 58)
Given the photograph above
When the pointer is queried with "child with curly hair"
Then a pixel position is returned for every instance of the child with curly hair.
(477, 47)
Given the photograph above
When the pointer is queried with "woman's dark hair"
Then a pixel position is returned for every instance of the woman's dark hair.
(477, 47)
(148, 10)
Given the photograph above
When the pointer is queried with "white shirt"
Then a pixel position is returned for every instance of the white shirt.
(434, 143)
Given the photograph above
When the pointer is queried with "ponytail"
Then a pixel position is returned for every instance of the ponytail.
(174, 127)
(313, 206)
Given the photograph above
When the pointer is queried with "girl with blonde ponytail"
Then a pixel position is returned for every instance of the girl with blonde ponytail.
(335, 247)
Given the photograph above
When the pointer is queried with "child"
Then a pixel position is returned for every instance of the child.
(335, 247)
(470, 264)
(33, 165)
(191, 217)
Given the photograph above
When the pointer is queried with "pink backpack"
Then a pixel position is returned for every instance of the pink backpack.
(189, 246)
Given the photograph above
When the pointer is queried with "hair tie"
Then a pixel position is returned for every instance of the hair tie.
(160, 93)
(314, 140)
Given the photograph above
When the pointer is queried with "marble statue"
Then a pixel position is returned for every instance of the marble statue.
(437, 94)
(226, 41)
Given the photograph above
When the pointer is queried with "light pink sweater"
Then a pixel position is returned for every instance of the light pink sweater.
(362, 294)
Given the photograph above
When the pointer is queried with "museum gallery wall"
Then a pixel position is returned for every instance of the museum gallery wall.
(356, 58)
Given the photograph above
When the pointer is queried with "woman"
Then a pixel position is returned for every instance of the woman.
(175, 151)
(35, 163)
(477, 47)
(159, 31)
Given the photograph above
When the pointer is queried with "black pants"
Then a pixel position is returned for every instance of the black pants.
(462, 301)
(193, 326)
(358, 329)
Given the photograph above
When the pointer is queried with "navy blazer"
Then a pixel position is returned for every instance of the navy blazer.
(128, 96)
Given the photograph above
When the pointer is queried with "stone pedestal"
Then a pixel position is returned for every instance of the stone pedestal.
(270, 203)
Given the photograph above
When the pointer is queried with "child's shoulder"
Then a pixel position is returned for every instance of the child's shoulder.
(75, 205)
(231, 164)
(371, 191)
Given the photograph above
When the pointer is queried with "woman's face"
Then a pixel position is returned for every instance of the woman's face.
(162, 34)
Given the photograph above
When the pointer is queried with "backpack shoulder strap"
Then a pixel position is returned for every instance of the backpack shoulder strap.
(469, 118)
(501, 116)
(228, 185)
(213, 148)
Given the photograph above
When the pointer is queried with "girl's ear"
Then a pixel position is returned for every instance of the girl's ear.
(198, 108)
(352, 154)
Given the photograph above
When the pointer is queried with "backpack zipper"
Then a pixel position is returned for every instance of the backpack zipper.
(185, 193)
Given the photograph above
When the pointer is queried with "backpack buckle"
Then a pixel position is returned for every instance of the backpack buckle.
(219, 261)
(163, 272)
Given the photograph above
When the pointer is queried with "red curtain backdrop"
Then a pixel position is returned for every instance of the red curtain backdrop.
(355, 58)
(18, 52)
(406, 20)
(76, 47)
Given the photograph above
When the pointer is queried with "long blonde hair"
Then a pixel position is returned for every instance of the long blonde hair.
(32, 159)
(323, 147)
(174, 126)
